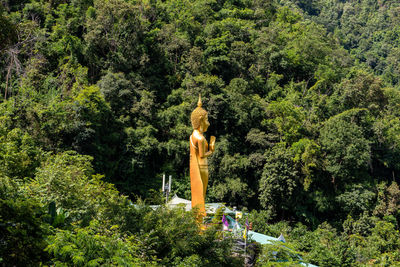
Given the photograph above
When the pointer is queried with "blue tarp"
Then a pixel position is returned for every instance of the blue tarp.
(260, 238)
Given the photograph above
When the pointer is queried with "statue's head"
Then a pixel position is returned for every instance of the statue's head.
(199, 117)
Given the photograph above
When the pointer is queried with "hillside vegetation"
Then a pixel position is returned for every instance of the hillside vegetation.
(95, 101)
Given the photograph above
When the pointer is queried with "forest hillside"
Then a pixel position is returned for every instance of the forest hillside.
(95, 101)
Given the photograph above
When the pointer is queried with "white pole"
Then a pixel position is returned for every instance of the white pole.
(163, 182)
(170, 184)
(245, 246)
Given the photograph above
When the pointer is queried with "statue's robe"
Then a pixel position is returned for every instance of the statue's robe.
(198, 173)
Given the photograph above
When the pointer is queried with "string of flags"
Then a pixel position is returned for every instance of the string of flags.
(225, 223)
(236, 226)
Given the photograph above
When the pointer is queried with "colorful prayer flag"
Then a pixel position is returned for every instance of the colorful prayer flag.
(225, 223)
(247, 224)
(238, 215)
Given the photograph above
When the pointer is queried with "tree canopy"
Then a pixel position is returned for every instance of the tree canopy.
(303, 97)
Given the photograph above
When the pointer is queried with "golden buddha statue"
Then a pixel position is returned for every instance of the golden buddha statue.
(199, 152)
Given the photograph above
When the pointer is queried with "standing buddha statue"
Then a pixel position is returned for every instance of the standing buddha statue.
(199, 152)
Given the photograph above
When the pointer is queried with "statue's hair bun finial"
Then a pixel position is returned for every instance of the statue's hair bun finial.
(198, 114)
(199, 104)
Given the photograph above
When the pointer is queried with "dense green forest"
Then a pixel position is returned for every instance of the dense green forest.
(95, 101)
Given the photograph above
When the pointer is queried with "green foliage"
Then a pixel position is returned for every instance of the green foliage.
(288, 120)
(348, 151)
(368, 29)
(68, 180)
(277, 254)
(174, 234)
(388, 200)
(307, 153)
(356, 199)
(114, 36)
(302, 97)
(93, 246)
(8, 30)
(360, 90)
(116, 80)
(19, 154)
(279, 183)
(364, 241)
(22, 229)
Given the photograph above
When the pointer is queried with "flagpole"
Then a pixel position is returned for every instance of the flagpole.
(246, 231)
(245, 246)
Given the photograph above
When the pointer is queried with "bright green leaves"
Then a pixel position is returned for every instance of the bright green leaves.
(223, 35)
(118, 92)
(64, 25)
(279, 180)
(114, 37)
(95, 130)
(392, 72)
(297, 120)
(141, 141)
(171, 234)
(68, 179)
(308, 154)
(64, 178)
(388, 202)
(91, 105)
(204, 83)
(360, 90)
(385, 237)
(364, 240)
(348, 151)
(94, 246)
(287, 16)
(387, 130)
(356, 199)
(276, 254)
(288, 120)
(244, 107)
(377, 240)
(327, 249)
(132, 110)
(296, 48)
(232, 187)
(343, 149)
(19, 155)
(368, 31)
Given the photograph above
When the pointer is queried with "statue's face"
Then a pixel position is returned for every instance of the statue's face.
(204, 124)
